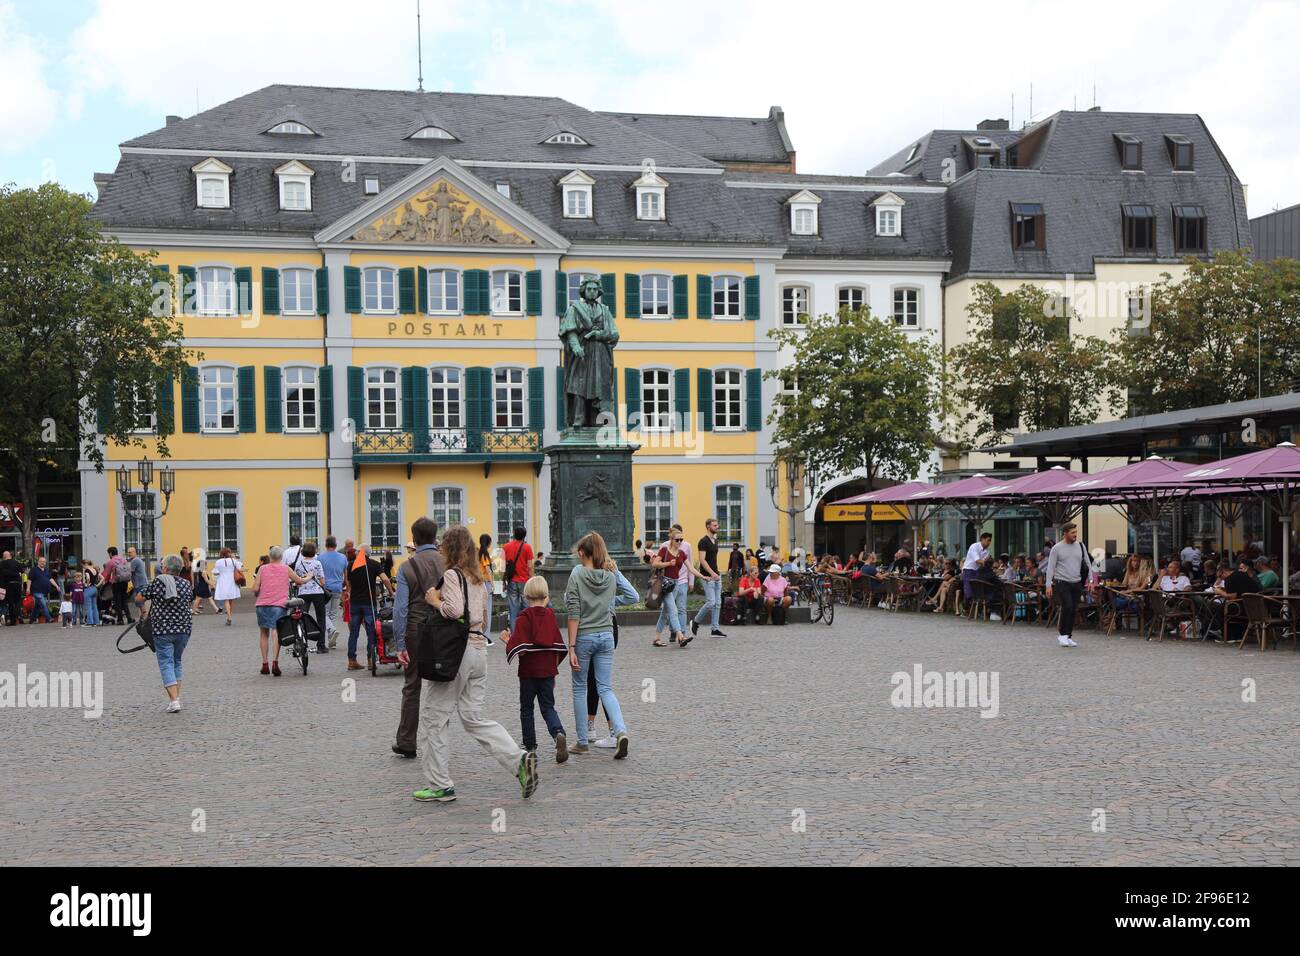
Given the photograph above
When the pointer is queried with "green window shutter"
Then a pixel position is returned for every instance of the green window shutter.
(751, 298)
(270, 291)
(322, 291)
(632, 295)
(560, 409)
(478, 396)
(420, 407)
(533, 292)
(681, 297)
(166, 407)
(704, 385)
(272, 394)
(191, 420)
(104, 407)
(422, 288)
(247, 398)
(682, 396)
(189, 276)
(477, 298)
(561, 293)
(357, 398)
(244, 290)
(351, 289)
(608, 282)
(754, 399)
(325, 389)
(704, 297)
(408, 397)
(632, 395)
(406, 291)
(537, 396)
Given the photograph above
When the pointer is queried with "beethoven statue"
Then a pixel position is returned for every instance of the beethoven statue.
(589, 336)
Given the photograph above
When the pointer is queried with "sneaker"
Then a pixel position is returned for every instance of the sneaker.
(1063, 640)
(439, 796)
(606, 743)
(527, 773)
(621, 752)
(322, 649)
(174, 707)
(716, 634)
(334, 640)
(695, 628)
(995, 617)
(580, 750)
(561, 748)
(1071, 642)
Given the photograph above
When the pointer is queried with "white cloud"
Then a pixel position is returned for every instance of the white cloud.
(29, 106)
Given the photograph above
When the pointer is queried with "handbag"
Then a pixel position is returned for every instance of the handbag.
(144, 630)
(443, 641)
(654, 597)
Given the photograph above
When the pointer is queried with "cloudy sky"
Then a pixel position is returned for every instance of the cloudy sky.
(857, 81)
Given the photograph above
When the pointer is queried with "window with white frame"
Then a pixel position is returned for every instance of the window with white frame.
(565, 139)
(139, 533)
(431, 132)
(726, 297)
(447, 507)
(512, 512)
(295, 185)
(221, 524)
(300, 399)
(508, 397)
(381, 398)
(658, 523)
(292, 128)
(729, 509)
(650, 204)
(574, 280)
(212, 184)
(507, 292)
(298, 291)
(444, 291)
(907, 306)
(852, 298)
(445, 398)
(148, 422)
(215, 293)
(889, 215)
(656, 400)
(789, 390)
(728, 399)
(217, 395)
(803, 213)
(794, 305)
(379, 287)
(304, 514)
(575, 192)
(385, 518)
(656, 297)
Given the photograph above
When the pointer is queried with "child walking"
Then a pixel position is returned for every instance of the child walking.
(537, 645)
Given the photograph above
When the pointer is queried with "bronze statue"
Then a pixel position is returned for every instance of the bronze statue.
(589, 336)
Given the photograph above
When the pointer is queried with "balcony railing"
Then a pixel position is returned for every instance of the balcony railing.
(500, 441)
(443, 441)
(386, 441)
(434, 443)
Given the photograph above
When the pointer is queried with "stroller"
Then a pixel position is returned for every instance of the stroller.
(386, 649)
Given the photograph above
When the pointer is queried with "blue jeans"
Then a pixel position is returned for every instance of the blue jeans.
(514, 601)
(542, 690)
(169, 648)
(90, 601)
(712, 604)
(40, 607)
(595, 651)
(673, 611)
(357, 614)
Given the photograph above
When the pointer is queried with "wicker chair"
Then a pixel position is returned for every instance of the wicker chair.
(1114, 614)
(1263, 615)
(1171, 609)
(982, 593)
(1016, 598)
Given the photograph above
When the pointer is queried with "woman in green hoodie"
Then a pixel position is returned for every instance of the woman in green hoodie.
(588, 600)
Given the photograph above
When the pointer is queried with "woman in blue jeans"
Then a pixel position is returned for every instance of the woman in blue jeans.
(674, 559)
(170, 596)
(589, 600)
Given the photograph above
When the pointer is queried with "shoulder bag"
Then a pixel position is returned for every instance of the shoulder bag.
(443, 640)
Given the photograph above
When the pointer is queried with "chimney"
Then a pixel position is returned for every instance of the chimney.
(993, 124)
(173, 120)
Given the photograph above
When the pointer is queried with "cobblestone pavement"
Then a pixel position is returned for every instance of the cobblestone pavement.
(743, 739)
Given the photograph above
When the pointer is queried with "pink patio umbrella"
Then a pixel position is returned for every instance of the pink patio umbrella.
(924, 503)
(914, 515)
(1033, 489)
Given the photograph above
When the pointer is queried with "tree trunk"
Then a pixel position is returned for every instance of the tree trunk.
(28, 476)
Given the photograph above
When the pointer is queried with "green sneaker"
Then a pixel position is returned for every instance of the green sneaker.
(527, 773)
(439, 796)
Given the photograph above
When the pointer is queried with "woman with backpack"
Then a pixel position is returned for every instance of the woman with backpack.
(169, 596)
(227, 571)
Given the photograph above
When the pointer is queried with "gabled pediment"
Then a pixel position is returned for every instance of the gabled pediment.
(212, 165)
(888, 199)
(294, 168)
(803, 196)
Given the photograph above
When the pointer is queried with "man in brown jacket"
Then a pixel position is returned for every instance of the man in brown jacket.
(421, 571)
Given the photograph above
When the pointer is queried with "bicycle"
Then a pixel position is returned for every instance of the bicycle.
(297, 631)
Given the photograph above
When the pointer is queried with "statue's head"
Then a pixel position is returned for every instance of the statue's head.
(591, 290)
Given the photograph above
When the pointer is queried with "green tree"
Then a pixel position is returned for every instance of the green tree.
(867, 396)
(85, 323)
(1020, 366)
(1228, 331)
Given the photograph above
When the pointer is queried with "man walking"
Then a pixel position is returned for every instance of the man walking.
(1067, 567)
(117, 572)
(335, 565)
(518, 556)
(712, 578)
(38, 585)
(421, 571)
(139, 577)
(976, 555)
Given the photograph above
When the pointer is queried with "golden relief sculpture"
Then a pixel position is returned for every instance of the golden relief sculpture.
(438, 216)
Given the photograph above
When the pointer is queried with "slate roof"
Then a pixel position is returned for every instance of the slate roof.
(723, 139)
(936, 146)
(1276, 235)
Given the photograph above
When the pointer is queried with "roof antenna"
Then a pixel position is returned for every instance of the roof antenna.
(419, 50)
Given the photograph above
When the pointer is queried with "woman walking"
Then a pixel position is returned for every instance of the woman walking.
(485, 569)
(90, 595)
(224, 571)
(313, 590)
(271, 585)
(202, 586)
(169, 596)
(674, 561)
(624, 593)
(589, 600)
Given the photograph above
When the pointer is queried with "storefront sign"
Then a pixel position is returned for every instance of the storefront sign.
(451, 330)
(859, 513)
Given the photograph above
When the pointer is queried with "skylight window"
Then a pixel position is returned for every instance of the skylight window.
(292, 128)
(431, 132)
(566, 139)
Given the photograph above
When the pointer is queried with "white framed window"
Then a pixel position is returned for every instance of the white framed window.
(511, 511)
(508, 292)
(729, 509)
(508, 398)
(381, 399)
(789, 390)
(852, 297)
(650, 204)
(215, 292)
(292, 128)
(385, 517)
(295, 194)
(658, 505)
(728, 400)
(212, 184)
(149, 425)
(889, 215)
(445, 398)
(139, 533)
(576, 195)
(503, 189)
(217, 396)
(379, 289)
(302, 514)
(297, 292)
(431, 132)
(656, 400)
(370, 185)
(907, 308)
(300, 399)
(794, 305)
(727, 297)
(656, 296)
(447, 507)
(565, 139)
(574, 280)
(444, 292)
(221, 521)
(803, 213)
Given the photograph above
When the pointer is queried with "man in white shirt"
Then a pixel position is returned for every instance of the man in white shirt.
(1173, 579)
(975, 554)
(1191, 556)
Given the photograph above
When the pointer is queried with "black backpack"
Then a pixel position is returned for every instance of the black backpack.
(443, 641)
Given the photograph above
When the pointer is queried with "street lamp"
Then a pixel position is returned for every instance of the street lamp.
(144, 476)
(794, 470)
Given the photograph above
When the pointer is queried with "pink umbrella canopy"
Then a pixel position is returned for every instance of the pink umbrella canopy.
(1028, 485)
(1122, 478)
(952, 491)
(1282, 461)
(906, 488)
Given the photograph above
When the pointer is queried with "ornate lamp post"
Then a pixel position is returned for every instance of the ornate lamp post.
(144, 476)
(794, 471)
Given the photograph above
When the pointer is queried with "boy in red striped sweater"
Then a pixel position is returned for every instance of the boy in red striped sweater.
(537, 645)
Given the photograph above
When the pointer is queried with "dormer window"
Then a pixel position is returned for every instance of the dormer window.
(912, 153)
(803, 213)
(889, 215)
(370, 186)
(984, 152)
(576, 192)
(1189, 228)
(565, 139)
(1180, 151)
(431, 132)
(292, 128)
(212, 184)
(650, 191)
(1028, 226)
(1130, 151)
(295, 185)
